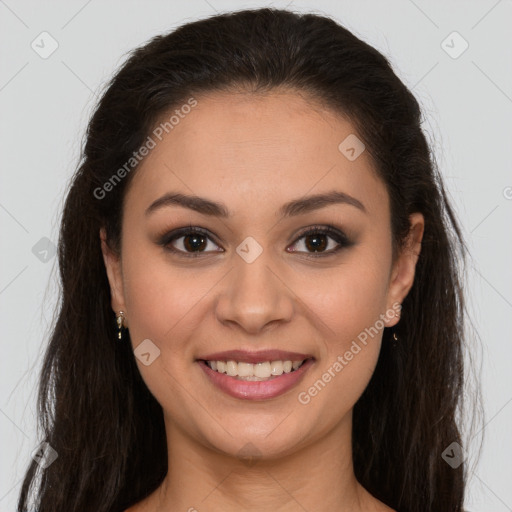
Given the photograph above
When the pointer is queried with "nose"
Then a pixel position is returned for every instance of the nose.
(254, 296)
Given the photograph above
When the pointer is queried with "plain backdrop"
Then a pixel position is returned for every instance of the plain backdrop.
(463, 82)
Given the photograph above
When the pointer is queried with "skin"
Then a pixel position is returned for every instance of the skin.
(238, 149)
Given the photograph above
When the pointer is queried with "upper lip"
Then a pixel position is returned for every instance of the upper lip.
(246, 356)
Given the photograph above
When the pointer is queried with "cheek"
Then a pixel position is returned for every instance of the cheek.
(349, 352)
(160, 303)
(160, 299)
(349, 298)
(349, 304)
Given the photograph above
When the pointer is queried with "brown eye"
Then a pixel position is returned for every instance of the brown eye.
(190, 242)
(194, 242)
(316, 240)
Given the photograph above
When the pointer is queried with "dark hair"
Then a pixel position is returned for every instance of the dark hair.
(96, 411)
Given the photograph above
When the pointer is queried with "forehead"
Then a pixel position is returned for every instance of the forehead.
(241, 148)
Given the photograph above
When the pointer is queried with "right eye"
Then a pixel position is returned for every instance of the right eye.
(191, 241)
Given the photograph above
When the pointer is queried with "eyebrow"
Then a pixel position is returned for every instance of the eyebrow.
(290, 209)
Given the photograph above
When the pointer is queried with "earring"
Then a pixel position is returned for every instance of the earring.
(397, 314)
(120, 324)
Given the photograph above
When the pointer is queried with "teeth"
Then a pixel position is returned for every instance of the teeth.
(276, 367)
(262, 370)
(248, 371)
(232, 368)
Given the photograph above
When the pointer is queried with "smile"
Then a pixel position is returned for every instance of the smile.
(255, 381)
(254, 372)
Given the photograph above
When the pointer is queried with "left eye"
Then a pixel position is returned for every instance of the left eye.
(316, 240)
(193, 242)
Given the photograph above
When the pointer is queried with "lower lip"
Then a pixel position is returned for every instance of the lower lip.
(253, 390)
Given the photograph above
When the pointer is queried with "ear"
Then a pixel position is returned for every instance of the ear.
(114, 274)
(402, 274)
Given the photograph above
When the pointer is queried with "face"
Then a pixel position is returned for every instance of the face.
(265, 279)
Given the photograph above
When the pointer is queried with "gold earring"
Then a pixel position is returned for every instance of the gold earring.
(120, 324)
(397, 314)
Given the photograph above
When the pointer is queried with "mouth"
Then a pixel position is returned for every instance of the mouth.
(259, 372)
(255, 376)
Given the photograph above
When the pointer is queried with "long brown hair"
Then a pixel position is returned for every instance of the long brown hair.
(96, 411)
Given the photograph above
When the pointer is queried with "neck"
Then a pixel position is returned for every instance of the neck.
(318, 475)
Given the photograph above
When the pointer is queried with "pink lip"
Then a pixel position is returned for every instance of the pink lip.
(251, 390)
(244, 356)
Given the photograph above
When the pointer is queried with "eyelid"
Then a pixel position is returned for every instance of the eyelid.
(168, 237)
(328, 230)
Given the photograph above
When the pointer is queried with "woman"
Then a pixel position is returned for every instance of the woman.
(261, 307)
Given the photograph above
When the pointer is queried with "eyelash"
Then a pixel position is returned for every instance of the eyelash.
(332, 232)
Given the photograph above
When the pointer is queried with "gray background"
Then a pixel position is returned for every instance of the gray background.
(45, 104)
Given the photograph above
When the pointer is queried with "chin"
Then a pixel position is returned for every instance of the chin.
(257, 444)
